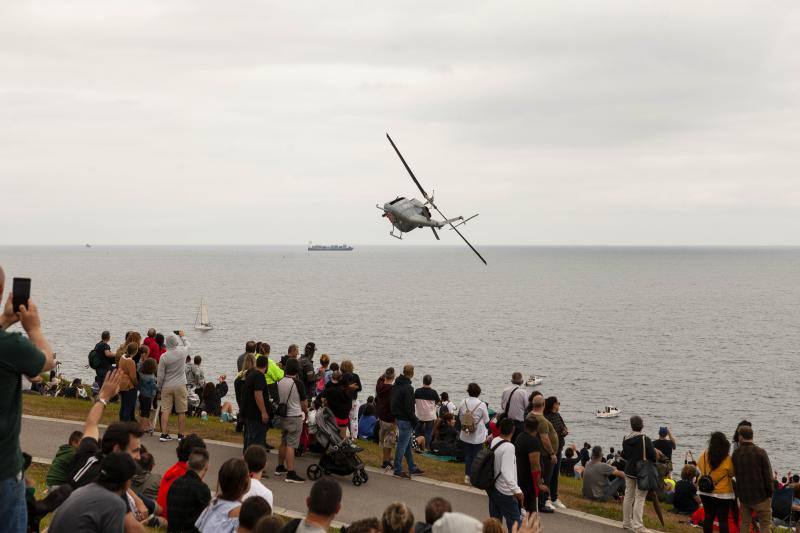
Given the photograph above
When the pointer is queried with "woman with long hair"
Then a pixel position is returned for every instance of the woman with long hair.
(222, 514)
(128, 385)
(248, 363)
(715, 463)
(211, 400)
(735, 439)
(551, 413)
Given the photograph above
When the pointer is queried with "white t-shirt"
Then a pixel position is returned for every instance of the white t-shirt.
(481, 415)
(505, 467)
(258, 489)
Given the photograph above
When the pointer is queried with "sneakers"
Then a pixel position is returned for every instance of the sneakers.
(164, 438)
(558, 505)
(387, 465)
(280, 470)
(402, 475)
(466, 480)
(549, 505)
(180, 437)
(417, 472)
(292, 477)
(546, 509)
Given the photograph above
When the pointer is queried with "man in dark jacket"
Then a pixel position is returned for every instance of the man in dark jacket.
(402, 406)
(189, 495)
(387, 434)
(753, 481)
(307, 374)
(635, 447)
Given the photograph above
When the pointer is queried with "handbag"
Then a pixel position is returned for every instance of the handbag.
(283, 407)
(706, 482)
(647, 477)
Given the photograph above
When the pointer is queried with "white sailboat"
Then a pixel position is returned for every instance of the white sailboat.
(202, 322)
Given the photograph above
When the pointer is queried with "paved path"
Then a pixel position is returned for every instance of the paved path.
(41, 438)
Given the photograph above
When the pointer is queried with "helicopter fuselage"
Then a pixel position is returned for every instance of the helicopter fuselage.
(408, 214)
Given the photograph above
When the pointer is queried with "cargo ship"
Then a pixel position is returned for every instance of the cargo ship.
(329, 248)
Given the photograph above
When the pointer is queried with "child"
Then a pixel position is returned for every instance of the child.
(58, 473)
(147, 392)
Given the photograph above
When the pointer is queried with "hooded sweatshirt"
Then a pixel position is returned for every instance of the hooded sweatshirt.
(633, 454)
(403, 399)
(58, 474)
(171, 366)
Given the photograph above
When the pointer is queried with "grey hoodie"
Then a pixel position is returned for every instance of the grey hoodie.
(172, 365)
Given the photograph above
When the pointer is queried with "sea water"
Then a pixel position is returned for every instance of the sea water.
(696, 339)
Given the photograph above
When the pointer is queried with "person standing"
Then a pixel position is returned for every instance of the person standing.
(291, 353)
(107, 357)
(150, 342)
(425, 400)
(665, 443)
(292, 399)
(171, 380)
(19, 356)
(253, 408)
(274, 372)
(307, 372)
(387, 432)
(513, 401)
(352, 384)
(505, 498)
(551, 412)
(715, 463)
(195, 377)
(473, 415)
(528, 449)
(550, 444)
(635, 447)
(129, 384)
(402, 405)
(249, 348)
(753, 481)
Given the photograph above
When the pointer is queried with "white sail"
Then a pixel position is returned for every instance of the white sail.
(204, 314)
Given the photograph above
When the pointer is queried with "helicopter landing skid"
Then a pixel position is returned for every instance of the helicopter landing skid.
(398, 237)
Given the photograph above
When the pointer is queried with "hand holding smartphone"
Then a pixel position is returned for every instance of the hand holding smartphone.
(22, 292)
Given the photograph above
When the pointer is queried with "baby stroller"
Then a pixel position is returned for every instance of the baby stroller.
(339, 456)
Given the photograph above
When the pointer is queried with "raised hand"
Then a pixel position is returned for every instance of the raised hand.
(110, 386)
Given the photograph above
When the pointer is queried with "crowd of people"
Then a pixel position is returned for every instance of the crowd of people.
(516, 454)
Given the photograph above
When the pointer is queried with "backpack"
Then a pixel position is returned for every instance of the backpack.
(291, 526)
(95, 360)
(468, 424)
(481, 475)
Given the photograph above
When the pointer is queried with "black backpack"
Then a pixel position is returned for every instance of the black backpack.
(481, 475)
(95, 360)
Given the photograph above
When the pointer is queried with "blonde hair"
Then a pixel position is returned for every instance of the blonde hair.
(397, 518)
(248, 362)
(346, 366)
(492, 525)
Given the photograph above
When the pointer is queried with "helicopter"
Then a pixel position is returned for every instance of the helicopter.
(407, 214)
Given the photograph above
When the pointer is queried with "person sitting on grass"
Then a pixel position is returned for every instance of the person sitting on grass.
(189, 495)
(596, 475)
(58, 473)
(211, 400)
(253, 508)
(367, 421)
(686, 501)
(146, 481)
(445, 438)
(222, 514)
(256, 458)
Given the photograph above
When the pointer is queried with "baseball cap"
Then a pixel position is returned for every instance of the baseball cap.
(117, 468)
(662, 432)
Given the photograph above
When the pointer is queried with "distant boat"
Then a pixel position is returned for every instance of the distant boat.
(329, 248)
(88, 245)
(609, 411)
(533, 381)
(202, 322)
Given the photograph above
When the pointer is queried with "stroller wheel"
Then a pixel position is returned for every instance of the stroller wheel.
(314, 472)
(356, 478)
(364, 476)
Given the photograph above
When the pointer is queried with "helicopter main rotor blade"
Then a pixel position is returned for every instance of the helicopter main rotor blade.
(462, 236)
(413, 177)
(435, 234)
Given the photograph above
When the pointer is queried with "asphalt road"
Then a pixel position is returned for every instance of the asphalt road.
(41, 438)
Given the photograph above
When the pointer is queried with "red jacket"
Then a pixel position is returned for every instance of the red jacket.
(175, 471)
(155, 349)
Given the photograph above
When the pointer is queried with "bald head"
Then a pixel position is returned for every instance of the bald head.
(538, 403)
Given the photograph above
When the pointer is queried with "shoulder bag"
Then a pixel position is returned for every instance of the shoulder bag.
(647, 477)
(706, 482)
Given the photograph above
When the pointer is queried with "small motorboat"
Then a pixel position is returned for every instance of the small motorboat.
(533, 381)
(609, 411)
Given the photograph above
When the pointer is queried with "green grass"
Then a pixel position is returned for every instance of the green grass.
(569, 488)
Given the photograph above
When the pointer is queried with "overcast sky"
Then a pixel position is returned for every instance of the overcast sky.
(157, 122)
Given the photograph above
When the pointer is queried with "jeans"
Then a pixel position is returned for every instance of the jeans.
(504, 507)
(470, 451)
(553, 482)
(127, 405)
(255, 432)
(633, 506)
(405, 432)
(425, 428)
(715, 508)
(12, 504)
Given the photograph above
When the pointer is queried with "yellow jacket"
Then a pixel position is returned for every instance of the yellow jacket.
(722, 476)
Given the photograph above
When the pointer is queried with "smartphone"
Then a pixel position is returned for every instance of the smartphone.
(176, 332)
(22, 292)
